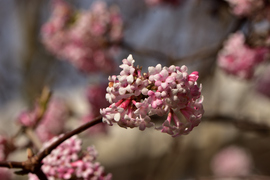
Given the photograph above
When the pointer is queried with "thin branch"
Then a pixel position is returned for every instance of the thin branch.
(244, 124)
(12, 164)
(40, 174)
(33, 164)
(66, 136)
(33, 137)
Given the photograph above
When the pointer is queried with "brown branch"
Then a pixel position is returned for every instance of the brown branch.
(12, 164)
(244, 124)
(33, 164)
(66, 136)
(33, 137)
(249, 177)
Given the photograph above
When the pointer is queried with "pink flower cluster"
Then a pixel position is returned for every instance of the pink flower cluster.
(96, 99)
(157, 2)
(83, 37)
(231, 161)
(135, 96)
(245, 7)
(69, 161)
(53, 120)
(5, 174)
(239, 59)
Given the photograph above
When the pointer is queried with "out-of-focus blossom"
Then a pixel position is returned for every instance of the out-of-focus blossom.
(263, 83)
(68, 160)
(158, 2)
(83, 37)
(135, 96)
(231, 161)
(5, 174)
(245, 7)
(96, 98)
(28, 118)
(239, 59)
(52, 123)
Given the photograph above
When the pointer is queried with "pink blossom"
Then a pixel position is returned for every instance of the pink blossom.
(28, 118)
(5, 174)
(245, 7)
(83, 37)
(53, 120)
(96, 98)
(231, 161)
(68, 160)
(238, 59)
(135, 96)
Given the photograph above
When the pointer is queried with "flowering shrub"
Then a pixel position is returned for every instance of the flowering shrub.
(68, 161)
(135, 96)
(239, 59)
(83, 37)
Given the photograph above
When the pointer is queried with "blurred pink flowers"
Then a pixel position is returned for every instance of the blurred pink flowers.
(231, 161)
(135, 96)
(96, 99)
(69, 161)
(53, 120)
(83, 38)
(238, 59)
(245, 7)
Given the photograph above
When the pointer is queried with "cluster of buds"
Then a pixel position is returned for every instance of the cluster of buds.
(68, 161)
(245, 7)
(135, 96)
(51, 124)
(239, 59)
(157, 2)
(83, 38)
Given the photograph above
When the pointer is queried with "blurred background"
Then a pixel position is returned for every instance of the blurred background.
(233, 137)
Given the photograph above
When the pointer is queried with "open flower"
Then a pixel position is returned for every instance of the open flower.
(135, 96)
